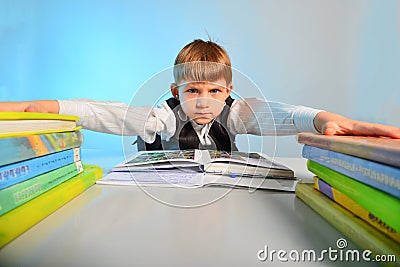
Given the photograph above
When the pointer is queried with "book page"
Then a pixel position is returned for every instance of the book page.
(250, 183)
(156, 156)
(248, 158)
(175, 178)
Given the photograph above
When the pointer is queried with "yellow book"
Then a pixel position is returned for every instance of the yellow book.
(20, 219)
(29, 123)
(360, 232)
(355, 208)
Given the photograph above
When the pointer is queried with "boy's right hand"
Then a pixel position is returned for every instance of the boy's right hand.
(43, 106)
(333, 124)
(22, 107)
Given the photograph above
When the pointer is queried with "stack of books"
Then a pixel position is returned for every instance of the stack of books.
(40, 168)
(356, 187)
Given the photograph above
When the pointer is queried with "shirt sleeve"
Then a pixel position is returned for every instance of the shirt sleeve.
(261, 117)
(120, 119)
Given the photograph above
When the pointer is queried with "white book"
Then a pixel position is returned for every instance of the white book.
(28, 123)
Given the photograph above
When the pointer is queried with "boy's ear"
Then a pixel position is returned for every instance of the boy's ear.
(174, 90)
(229, 89)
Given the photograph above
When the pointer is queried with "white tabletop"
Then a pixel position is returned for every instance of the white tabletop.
(126, 226)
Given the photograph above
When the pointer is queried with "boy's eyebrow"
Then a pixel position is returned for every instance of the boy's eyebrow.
(197, 83)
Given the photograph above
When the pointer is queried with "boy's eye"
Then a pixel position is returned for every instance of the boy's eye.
(192, 90)
(215, 91)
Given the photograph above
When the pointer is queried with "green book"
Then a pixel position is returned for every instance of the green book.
(16, 195)
(357, 230)
(20, 219)
(381, 204)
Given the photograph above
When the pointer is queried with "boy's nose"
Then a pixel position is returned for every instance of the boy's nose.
(202, 102)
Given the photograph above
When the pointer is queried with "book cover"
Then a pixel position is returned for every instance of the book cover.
(210, 161)
(15, 149)
(355, 208)
(28, 123)
(21, 171)
(20, 219)
(381, 149)
(360, 232)
(36, 116)
(384, 206)
(16, 195)
(380, 176)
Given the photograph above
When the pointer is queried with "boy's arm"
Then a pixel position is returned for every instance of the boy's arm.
(107, 117)
(262, 117)
(268, 118)
(334, 124)
(46, 106)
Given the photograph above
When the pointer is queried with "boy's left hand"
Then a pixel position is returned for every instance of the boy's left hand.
(332, 124)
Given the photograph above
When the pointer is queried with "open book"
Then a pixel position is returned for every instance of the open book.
(233, 163)
(198, 168)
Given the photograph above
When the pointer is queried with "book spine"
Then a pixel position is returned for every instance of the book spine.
(355, 208)
(16, 195)
(380, 176)
(15, 149)
(18, 172)
(360, 232)
(366, 150)
(20, 219)
(383, 205)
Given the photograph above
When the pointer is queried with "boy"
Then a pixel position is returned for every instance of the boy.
(201, 113)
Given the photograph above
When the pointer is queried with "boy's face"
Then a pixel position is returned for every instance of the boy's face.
(202, 101)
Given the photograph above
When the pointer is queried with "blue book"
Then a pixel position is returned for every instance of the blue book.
(380, 176)
(21, 171)
(19, 148)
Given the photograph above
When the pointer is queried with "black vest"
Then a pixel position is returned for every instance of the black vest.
(185, 136)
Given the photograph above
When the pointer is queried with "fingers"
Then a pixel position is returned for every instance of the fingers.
(11, 106)
(21, 107)
(30, 109)
(360, 128)
(384, 130)
(35, 108)
(337, 128)
(330, 131)
(374, 129)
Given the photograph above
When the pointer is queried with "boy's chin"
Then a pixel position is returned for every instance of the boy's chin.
(202, 120)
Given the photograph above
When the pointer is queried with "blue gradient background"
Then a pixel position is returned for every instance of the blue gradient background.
(341, 56)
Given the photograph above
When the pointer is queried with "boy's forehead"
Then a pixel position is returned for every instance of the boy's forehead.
(220, 82)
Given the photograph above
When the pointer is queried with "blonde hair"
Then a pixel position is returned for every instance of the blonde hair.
(201, 61)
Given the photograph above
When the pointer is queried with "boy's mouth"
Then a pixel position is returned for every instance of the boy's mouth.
(203, 114)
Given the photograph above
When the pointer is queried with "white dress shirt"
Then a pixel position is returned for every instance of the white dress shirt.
(247, 116)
